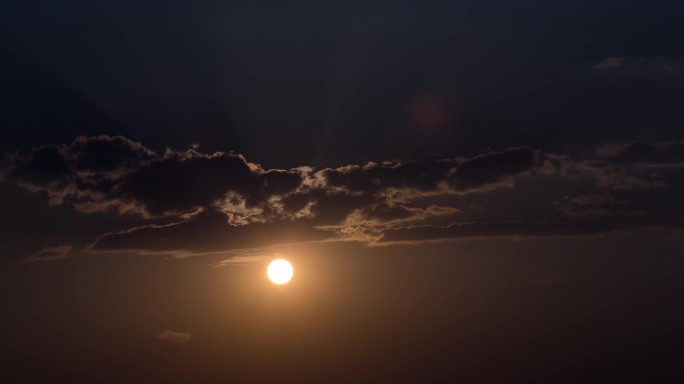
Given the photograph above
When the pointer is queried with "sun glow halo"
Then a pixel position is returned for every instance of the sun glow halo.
(280, 271)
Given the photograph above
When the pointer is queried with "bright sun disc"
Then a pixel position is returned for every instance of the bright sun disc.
(279, 271)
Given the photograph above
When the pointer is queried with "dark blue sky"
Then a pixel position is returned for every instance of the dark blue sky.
(323, 83)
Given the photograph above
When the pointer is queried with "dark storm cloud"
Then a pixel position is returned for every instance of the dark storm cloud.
(59, 164)
(220, 201)
(184, 181)
(106, 173)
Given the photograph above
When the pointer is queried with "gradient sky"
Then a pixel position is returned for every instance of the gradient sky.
(469, 191)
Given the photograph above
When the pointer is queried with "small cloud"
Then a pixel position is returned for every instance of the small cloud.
(609, 62)
(640, 66)
(174, 337)
(49, 254)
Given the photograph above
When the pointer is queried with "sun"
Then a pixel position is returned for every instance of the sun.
(280, 271)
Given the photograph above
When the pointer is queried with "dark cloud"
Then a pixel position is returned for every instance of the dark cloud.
(106, 153)
(620, 177)
(373, 177)
(327, 207)
(635, 165)
(181, 183)
(624, 166)
(105, 173)
(460, 174)
(220, 201)
(209, 232)
(88, 156)
(493, 167)
(594, 206)
(671, 152)
(417, 234)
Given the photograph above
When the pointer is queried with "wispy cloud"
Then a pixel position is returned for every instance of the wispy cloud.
(49, 254)
(640, 66)
(609, 62)
(248, 258)
(175, 337)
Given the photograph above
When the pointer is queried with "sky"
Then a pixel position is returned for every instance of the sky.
(473, 191)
